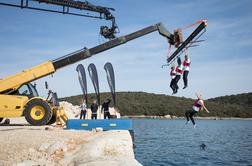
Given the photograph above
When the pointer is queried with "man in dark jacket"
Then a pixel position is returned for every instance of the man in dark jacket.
(94, 108)
(105, 108)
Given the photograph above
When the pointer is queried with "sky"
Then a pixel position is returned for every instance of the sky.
(221, 65)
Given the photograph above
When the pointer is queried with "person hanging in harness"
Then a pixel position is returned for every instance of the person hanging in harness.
(173, 75)
(186, 64)
(105, 108)
(179, 72)
(197, 106)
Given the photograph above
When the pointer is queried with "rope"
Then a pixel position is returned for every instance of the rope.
(193, 24)
(186, 48)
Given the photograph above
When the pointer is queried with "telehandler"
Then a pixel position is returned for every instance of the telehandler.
(19, 97)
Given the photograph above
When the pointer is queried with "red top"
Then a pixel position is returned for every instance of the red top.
(197, 104)
(179, 69)
(172, 73)
(186, 63)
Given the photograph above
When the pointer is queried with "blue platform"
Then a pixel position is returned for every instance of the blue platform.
(106, 124)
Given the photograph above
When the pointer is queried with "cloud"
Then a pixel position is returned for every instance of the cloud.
(220, 65)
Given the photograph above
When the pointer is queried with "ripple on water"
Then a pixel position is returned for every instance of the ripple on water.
(170, 142)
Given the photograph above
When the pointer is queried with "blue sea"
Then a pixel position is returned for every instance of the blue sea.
(171, 142)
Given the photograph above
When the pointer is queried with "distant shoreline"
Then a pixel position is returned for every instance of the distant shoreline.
(143, 103)
(175, 117)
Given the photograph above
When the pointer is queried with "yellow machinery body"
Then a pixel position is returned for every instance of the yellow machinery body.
(15, 81)
(12, 105)
(15, 105)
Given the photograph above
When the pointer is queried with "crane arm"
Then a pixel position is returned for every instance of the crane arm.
(104, 11)
(15, 81)
(86, 53)
(188, 41)
(69, 7)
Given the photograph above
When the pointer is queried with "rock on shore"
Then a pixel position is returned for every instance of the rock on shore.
(106, 149)
(33, 145)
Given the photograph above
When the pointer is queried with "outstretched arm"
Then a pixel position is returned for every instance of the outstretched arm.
(206, 109)
(199, 96)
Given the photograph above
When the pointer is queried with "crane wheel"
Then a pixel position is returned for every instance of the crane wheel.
(52, 121)
(38, 112)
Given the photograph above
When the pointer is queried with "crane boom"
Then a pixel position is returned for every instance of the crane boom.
(79, 5)
(73, 7)
(67, 5)
(187, 41)
(15, 81)
(86, 53)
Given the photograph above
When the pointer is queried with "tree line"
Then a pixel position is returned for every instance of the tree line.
(150, 104)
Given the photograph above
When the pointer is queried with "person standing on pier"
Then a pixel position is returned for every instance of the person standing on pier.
(94, 108)
(197, 106)
(105, 108)
(83, 108)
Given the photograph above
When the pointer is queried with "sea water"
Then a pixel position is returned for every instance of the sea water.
(171, 142)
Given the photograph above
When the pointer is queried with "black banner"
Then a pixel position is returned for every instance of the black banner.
(83, 81)
(94, 77)
(111, 79)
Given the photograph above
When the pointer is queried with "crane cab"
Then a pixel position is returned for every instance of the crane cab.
(26, 102)
(28, 90)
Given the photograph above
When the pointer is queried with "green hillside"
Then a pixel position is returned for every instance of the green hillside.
(244, 99)
(141, 103)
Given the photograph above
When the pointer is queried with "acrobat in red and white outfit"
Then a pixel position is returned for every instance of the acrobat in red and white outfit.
(186, 64)
(197, 106)
(173, 75)
(179, 72)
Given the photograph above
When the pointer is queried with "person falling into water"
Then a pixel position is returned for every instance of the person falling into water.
(173, 75)
(179, 72)
(83, 108)
(105, 108)
(186, 64)
(94, 108)
(197, 106)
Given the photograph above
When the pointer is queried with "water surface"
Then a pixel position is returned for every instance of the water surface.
(171, 142)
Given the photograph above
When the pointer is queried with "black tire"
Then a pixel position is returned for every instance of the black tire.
(1, 119)
(38, 112)
(52, 121)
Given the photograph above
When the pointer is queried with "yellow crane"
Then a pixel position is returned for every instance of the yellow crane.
(18, 97)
